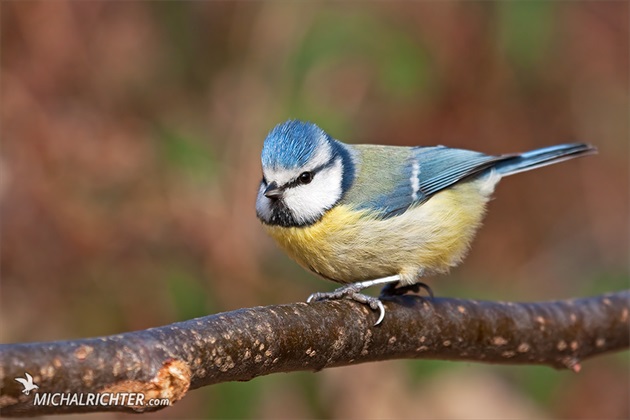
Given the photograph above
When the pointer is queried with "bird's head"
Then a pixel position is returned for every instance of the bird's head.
(305, 173)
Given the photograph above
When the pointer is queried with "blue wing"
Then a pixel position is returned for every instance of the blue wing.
(394, 187)
(425, 171)
(441, 167)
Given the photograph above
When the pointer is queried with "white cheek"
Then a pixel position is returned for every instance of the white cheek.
(309, 202)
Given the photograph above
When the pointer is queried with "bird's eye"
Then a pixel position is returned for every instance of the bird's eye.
(305, 177)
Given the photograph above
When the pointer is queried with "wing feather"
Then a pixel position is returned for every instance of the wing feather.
(434, 169)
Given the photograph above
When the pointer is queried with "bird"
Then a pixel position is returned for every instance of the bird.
(27, 384)
(364, 215)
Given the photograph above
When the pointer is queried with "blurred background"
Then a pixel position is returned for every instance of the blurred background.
(131, 134)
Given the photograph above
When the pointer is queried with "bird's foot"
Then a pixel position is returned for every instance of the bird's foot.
(391, 289)
(351, 292)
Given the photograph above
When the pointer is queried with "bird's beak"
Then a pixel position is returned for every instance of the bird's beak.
(273, 191)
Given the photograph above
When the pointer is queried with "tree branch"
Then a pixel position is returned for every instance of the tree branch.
(166, 362)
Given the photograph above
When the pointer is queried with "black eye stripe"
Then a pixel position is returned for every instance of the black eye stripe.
(313, 172)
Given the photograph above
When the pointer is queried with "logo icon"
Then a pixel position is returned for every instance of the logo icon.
(27, 384)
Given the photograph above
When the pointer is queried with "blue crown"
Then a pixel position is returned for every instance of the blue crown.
(291, 144)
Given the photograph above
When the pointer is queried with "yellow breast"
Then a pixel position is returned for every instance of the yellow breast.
(347, 245)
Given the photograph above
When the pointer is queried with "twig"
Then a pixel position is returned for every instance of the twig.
(166, 362)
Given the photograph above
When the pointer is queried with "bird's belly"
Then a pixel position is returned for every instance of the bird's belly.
(348, 245)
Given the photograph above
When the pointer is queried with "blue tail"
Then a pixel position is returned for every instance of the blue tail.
(542, 157)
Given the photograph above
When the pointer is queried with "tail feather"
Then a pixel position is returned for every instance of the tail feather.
(543, 157)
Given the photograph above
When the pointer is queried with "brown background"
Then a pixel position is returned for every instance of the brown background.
(131, 134)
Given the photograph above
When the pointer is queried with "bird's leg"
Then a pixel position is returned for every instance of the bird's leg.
(392, 289)
(351, 291)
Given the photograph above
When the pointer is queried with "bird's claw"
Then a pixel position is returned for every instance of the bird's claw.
(381, 308)
(315, 297)
(351, 292)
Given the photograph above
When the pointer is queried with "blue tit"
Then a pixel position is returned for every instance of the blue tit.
(365, 215)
